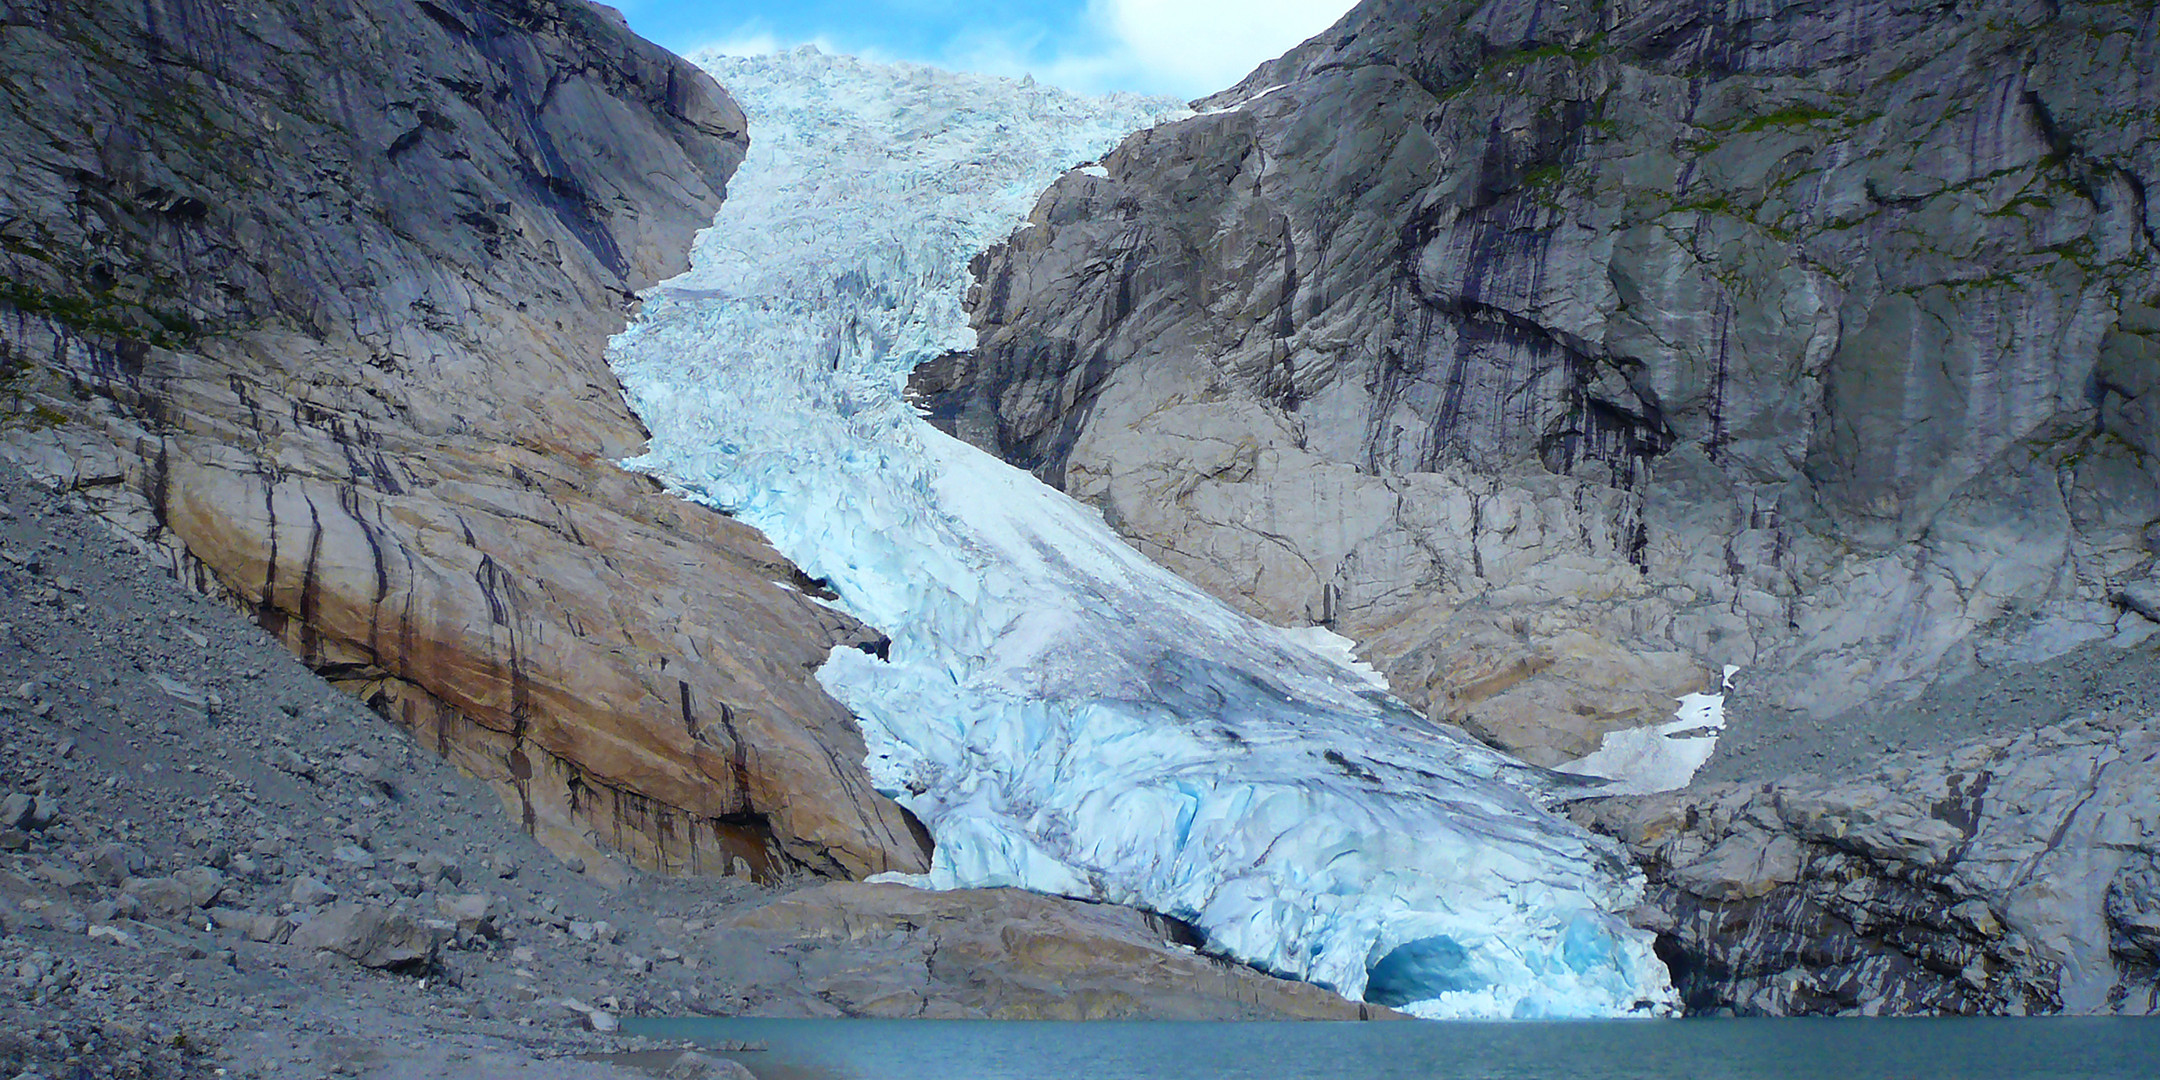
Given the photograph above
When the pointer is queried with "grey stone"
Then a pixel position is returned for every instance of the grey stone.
(595, 1018)
(181, 692)
(111, 865)
(434, 866)
(17, 811)
(309, 891)
(691, 1065)
(473, 913)
(252, 925)
(202, 881)
(371, 936)
(179, 894)
(2142, 597)
(286, 760)
(62, 876)
(355, 856)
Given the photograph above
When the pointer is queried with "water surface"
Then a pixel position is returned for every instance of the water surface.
(1946, 1049)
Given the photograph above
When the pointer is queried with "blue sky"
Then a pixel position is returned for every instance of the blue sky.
(1184, 48)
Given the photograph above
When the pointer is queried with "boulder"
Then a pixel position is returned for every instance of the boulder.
(691, 1065)
(595, 1018)
(17, 811)
(110, 864)
(371, 936)
(180, 894)
(309, 891)
(472, 913)
(252, 925)
(2142, 597)
(29, 813)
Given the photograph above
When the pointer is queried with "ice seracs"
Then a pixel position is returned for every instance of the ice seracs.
(1062, 714)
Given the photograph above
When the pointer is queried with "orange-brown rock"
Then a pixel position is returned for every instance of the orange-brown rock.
(1011, 955)
(316, 307)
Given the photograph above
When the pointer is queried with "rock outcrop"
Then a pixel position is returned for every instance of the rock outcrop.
(2016, 874)
(312, 297)
(1011, 955)
(1562, 355)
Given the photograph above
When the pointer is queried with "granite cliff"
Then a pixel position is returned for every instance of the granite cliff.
(311, 299)
(1561, 355)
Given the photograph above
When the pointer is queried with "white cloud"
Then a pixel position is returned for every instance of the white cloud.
(1197, 47)
(743, 44)
(1182, 48)
(750, 40)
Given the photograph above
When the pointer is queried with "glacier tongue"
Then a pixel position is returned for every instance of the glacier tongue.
(1062, 714)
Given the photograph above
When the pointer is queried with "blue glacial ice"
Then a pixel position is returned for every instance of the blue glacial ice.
(1063, 715)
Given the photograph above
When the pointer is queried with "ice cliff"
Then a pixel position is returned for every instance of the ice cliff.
(1062, 714)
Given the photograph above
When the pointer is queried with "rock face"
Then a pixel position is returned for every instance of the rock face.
(1560, 356)
(1011, 955)
(2014, 874)
(312, 299)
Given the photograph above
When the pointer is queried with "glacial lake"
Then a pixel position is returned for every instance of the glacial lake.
(1934, 1049)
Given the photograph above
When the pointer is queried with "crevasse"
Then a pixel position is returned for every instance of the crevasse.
(1062, 714)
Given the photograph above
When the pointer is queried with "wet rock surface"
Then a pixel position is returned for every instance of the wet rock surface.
(1562, 356)
(282, 883)
(311, 300)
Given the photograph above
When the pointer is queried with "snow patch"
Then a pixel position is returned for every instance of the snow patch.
(1243, 102)
(1339, 650)
(1661, 757)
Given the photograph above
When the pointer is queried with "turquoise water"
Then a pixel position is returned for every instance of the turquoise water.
(1957, 1049)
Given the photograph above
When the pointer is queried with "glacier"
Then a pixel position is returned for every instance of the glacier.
(1063, 715)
